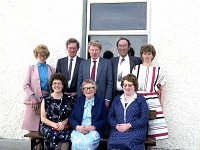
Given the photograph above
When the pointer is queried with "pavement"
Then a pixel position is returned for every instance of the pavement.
(10, 144)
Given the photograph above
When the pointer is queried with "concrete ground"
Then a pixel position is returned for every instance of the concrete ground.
(10, 144)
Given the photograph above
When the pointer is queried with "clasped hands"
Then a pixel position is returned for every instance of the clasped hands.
(58, 126)
(85, 129)
(123, 127)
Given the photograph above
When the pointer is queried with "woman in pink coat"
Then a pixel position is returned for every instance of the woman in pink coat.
(36, 85)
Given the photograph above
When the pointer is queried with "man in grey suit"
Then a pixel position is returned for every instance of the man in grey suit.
(97, 69)
(122, 65)
(69, 66)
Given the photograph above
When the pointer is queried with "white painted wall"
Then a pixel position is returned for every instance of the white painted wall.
(23, 25)
(174, 31)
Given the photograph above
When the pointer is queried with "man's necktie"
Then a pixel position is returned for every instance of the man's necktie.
(69, 70)
(93, 71)
(119, 77)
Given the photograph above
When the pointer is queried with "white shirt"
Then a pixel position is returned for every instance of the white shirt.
(125, 67)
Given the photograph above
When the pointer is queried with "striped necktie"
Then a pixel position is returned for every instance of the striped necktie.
(69, 70)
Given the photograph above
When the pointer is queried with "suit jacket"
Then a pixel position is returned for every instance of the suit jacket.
(133, 62)
(104, 78)
(31, 86)
(98, 114)
(62, 67)
(32, 83)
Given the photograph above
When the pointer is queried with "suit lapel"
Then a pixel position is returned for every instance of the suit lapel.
(36, 73)
(87, 68)
(99, 68)
(116, 67)
(76, 67)
(131, 63)
(65, 66)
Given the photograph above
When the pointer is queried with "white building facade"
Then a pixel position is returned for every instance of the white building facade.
(173, 30)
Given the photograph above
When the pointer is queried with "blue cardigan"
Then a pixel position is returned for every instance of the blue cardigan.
(98, 114)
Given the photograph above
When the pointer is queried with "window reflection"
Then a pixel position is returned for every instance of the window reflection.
(118, 16)
(109, 42)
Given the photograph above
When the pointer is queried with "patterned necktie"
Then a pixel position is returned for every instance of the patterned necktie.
(119, 77)
(69, 70)
(93, 71)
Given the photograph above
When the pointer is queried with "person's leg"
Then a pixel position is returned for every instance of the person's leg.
(58, 147)
(65, 146)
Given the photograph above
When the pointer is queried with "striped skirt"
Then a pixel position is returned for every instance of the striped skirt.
(158, 127)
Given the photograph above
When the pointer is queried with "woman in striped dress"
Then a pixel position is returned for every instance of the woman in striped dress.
(151, 82)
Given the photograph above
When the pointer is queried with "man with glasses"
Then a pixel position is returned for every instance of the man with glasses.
(69, 66)
(123, 64)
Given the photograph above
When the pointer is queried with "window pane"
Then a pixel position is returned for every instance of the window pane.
(118, 16)
(109, 42)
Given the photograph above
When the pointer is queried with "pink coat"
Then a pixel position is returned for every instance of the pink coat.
(32, 86)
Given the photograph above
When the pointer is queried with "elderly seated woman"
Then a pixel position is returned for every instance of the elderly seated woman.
(88, 118)
(128, 117)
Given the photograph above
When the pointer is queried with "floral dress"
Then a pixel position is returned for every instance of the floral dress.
(56, 111)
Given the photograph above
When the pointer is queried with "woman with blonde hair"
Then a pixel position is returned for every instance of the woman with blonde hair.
(36, 85)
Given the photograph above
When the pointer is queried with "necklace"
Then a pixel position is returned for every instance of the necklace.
(58, 105)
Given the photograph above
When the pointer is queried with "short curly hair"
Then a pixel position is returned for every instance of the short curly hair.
(57, 76)
(41, 49)
(130, 78)
(148, 48)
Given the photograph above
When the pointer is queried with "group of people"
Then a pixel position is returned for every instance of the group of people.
(75, 101)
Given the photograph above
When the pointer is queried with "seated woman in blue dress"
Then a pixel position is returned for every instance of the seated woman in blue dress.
(128, 117)
(87, 119)
(55, 111)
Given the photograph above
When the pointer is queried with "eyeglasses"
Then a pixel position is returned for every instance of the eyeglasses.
(56, 83)
(44, 56)
(129, 85)
(88, 88)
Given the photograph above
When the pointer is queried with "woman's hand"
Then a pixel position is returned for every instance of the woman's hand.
(58, 126)
(123, 127)
(90, 128)
(35, 106)
(82, 129)
(54, 125)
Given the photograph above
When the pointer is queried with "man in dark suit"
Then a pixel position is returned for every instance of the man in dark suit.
(122, 65)
(69, 66)
(97, 69)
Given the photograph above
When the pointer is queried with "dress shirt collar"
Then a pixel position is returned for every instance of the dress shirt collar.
(74, 59)
(97, 60)
(41, 65)
(126, 58)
